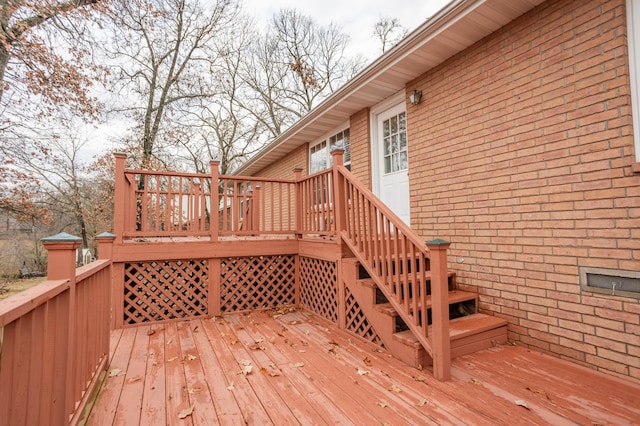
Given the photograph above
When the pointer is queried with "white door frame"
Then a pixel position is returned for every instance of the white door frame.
(387, 104)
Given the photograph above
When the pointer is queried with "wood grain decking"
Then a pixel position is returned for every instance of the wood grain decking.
(301, 369)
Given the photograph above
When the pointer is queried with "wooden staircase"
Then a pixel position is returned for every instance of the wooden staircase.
(469, 330)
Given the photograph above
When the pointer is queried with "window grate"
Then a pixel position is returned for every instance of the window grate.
(611, 282)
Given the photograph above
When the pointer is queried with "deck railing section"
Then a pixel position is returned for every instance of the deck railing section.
(55, 340)
(317, 215)
(151, 204)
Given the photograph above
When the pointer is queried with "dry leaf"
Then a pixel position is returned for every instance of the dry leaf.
(246, 370)
(474, 381)
(195, 328)
(115, 372)
(190, 357)
(233, 341)
(272, 340)
(522, 403)
(333, 343)
(230, 387)
(419, 367)
(194, 390)
(362, 372)
(257, 347)
(422, 402)
(263, 370)
(151, 332)
(298, 365)
(134, 379)
(260, 340)
(419, 378)
(274, 373)
(169, 341)
(395, 389)
(172, 359)
(540, 392)
(383, 404)
(367, 361)
(186, 412)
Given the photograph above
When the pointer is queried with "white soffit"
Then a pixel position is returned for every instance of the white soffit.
(457, 26)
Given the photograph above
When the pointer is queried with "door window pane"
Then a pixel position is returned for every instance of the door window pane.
(394, 131)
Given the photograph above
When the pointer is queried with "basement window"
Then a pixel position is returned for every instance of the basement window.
(611, 282)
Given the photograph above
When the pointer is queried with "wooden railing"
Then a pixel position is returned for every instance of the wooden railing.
(397, 260)
(316, 213)
(150, 204)
(55, 340)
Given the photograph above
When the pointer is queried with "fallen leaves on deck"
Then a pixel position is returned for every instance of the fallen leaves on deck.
(246, 367)
(190, 357)
(194, 390)
(383, 404)
(522, 403)
(230, 387)
(134, 379)
(362, 372)
(298, 365)
(186, 412)
(395, 389)
(367, 361)
(115, 372)
(151, 332)
(540, 392)
(475, 381)
(419, 378)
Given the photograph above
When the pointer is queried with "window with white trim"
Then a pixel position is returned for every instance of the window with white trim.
(320, 156)
(633, 37)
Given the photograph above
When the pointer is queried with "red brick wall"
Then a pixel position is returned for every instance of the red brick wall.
(524, 165)
(283, 168)
(361, 146)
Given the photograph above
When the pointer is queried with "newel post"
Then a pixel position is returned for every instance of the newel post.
(105, 245)
(214, 222)
(297, 177)
(339, 204)
(440, 309)
(61, 265)
(119, 201)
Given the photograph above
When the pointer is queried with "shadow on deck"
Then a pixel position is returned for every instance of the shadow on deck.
(302, 369)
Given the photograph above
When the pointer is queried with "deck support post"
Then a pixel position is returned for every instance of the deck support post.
(61, 265)
(440, 339)
(120, 211)
(214, 222)
(297, 177)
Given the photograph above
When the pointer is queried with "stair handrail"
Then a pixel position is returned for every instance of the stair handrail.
(382, 242)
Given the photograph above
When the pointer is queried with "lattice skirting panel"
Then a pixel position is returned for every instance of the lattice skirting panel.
(357, 322)
(164, 290)
(319, 287)
(260, 282)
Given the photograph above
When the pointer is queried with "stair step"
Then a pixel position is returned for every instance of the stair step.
(459, 328)
(455, 296)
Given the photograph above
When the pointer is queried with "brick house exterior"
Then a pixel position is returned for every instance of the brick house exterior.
(521, 153)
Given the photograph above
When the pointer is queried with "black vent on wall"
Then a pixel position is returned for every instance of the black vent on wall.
(612, 282)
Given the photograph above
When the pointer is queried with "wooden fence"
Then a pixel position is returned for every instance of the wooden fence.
(55, 338)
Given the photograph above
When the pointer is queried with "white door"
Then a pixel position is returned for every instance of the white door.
(390, 173)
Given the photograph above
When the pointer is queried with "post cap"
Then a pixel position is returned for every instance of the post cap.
(437, 242)
(105, 236)
(62, 237)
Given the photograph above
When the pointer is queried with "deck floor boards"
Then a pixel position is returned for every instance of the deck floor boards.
(306, 371)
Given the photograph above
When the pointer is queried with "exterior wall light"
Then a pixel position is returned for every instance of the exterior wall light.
(415, 97)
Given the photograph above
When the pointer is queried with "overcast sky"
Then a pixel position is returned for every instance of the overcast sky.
(356, 17)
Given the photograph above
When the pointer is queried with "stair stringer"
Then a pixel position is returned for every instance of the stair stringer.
(400, 309)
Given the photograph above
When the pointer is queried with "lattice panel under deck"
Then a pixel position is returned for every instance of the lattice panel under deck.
(357, 322)
(256, 282)
(163, 290)
(319, 287)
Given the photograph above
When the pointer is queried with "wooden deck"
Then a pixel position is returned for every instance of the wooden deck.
(296, 368)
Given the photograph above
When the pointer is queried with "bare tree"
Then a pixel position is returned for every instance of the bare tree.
(296, 65)
(389, 32)
(162, 51)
